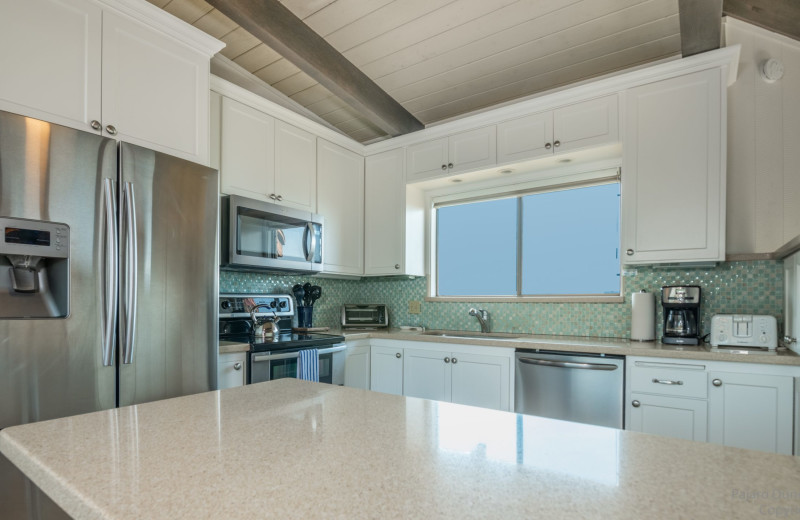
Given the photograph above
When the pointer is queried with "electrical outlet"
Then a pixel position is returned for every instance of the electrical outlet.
(414, 307)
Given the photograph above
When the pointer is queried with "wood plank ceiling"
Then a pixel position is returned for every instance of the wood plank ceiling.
(444, 58)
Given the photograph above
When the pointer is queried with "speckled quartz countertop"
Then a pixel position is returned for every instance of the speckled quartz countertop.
(294, 449)
(618, 346)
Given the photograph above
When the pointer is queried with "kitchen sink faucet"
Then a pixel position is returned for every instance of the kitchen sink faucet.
(483, 316)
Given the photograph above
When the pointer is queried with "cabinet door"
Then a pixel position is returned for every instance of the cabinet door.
(669, 416)
(791, 299)
(426, 374)
(295, 167)
(155, 89)
(384, 213)
(525, 138)
(340, 200)
(426, 160)
(583, 125)
(479, 380)
(356, 371)
(247, 155)
(231, 370)
(752, 411)
(473, 150)
(673, 187)
(51, 60)
(386, 370)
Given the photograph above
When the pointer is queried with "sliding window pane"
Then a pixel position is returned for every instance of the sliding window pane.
(477, 248)
(570, 241)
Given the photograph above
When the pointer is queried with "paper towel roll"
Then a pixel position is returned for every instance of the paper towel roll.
(643, 316)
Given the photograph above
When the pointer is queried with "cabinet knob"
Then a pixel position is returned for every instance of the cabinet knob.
(629, 252)
(636, 404)
(454, 361)
(788, 340)
(557, 144)
(450, 166)
(717, 382)
(444, 167)
(547, 146)
(95, 124)
(272, 196)
(279, 198)
(447, 360)
(237, 366)
(111, 129)
(398, 356)
(397, 266)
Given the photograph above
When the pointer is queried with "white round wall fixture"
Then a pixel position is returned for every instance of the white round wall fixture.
(771, 70)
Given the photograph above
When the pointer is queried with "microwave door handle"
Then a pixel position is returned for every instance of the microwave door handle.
(310, 250)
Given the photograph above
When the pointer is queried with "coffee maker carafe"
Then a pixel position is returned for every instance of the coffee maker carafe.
(681, 305)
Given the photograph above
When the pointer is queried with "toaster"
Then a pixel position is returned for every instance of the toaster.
(744, 330)
(369, 316)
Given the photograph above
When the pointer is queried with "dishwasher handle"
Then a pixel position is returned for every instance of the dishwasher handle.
(567, 364)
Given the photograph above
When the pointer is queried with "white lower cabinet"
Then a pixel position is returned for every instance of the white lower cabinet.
(463, 374)
(669, 416)
(744, 405)
(753, 411)
(356, 368)
(386, 369)
(231, 370)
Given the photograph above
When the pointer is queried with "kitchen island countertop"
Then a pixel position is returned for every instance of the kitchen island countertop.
(592, 345)
(294, 449)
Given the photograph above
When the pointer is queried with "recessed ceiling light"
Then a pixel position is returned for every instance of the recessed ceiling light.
(565, 160)
(455, 180)
(505, 172)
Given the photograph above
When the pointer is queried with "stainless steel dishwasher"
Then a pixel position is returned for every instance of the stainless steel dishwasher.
(585, 388)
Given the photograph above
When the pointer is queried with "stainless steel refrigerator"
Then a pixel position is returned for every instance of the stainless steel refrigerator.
(108, 281)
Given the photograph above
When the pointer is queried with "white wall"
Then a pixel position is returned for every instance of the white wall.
(763, 144)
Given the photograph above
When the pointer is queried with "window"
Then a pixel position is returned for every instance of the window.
(554, 241)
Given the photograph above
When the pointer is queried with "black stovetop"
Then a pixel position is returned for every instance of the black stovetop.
(284, 341)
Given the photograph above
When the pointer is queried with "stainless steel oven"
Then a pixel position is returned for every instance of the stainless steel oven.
(265, 236)
(278, 364)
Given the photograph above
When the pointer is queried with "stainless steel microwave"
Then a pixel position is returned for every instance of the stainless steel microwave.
(258, 235)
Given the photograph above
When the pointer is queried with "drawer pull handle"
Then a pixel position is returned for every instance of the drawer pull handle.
(667, 382)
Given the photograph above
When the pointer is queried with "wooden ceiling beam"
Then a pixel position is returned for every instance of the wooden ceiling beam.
(780, 16)
(280, 29)
(701, 25)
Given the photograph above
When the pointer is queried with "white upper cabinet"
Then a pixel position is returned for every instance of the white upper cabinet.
(247, 155)
(673, 175)
(791, 301)
(394, 218)
(574, 127)
(295, 166)
(143, 80)
(51, 60)
(340, 201)
(266, 159)
(465, 151)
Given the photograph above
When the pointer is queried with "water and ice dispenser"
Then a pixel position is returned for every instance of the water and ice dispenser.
(34, 269)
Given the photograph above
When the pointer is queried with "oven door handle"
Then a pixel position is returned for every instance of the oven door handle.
(293, 355)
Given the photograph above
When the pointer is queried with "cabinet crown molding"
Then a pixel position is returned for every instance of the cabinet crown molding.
(157, 18)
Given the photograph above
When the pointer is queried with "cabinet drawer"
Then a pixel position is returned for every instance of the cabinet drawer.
(670, 380)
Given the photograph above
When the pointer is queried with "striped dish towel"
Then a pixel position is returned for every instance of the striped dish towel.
(308, 365)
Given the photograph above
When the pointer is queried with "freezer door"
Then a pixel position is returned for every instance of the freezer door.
(168, 236)
(53, 367)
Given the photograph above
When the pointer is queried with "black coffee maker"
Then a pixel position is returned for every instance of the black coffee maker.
(681, 305)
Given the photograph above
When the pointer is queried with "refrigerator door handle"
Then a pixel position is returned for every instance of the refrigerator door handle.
(131, 272)
(108, 316)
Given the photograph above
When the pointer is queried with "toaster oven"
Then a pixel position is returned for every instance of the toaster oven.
(367, 316)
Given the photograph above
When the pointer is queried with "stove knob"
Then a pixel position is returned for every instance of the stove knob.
(283, 305)
(225, 304)
(273, 304)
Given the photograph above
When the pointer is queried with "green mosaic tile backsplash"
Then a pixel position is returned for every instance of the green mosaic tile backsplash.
(731, 287)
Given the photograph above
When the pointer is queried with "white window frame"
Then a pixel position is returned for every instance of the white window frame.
(546, 181)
